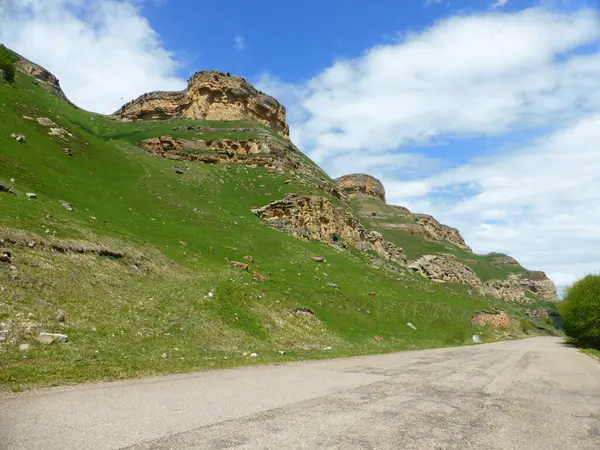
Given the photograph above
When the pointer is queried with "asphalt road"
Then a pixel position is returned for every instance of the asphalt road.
(530, 394)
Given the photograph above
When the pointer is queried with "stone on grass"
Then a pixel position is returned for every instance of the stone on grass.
(253, 355)
(238, 265)
(332, 285)
(60, 316)
(24, 347)
(411, 325)
(258, 277)
(31, 195)
(51, 338)
(476, 339)
(68, 206)
(318, 259)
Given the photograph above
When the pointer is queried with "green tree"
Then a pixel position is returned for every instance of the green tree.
(7, 64)
(580, 311)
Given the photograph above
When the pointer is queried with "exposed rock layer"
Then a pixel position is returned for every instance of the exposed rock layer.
(314, 217)
(361, 184)
(537, 283)
(494, 319)
(46, 79)
(210, 95)
(263, 150)
(445, 268)
(438, 231)
(504, 289)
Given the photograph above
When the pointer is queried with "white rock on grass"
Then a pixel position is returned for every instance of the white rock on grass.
(411, 325)
(51, 338)
(476, 339)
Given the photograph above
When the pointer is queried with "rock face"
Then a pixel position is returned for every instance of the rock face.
(314, 217)
(494, 319)
(437, 231)
(500, 259)
(210, 95)
(445, 268)
(361, 184)
(537, 283)
(504, 289)
(424, 225)
(46, 79)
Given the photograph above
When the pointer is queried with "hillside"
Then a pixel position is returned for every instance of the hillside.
(187, 232)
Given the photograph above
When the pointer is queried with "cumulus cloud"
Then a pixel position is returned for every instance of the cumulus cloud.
(400, 111)
(104, 51)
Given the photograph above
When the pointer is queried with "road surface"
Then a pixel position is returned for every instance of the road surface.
(532, 394)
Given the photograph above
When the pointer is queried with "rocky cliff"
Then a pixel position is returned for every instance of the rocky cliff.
(210, 95)
(423, 225)
(43, 77)
(361, 184)
(314, 217)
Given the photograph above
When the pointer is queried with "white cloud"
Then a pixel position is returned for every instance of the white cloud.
(490, 75)
(239, 42)
(500, 3)
(104, 51)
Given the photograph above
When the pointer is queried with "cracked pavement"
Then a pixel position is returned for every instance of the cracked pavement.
(530, 394)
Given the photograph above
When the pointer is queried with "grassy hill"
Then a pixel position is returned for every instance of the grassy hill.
(140, 265)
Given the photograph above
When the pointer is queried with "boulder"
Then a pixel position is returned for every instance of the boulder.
(51, 338)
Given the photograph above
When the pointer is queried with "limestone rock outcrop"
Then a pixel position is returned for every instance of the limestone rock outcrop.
(315, 217)
(494, 319)
(361, 184)
(504, 289)
(445, 268)
(210, 95)
(45, 79)
(500, 259)
(438, 231)
(537, 283)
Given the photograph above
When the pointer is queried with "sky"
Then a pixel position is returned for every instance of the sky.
(483, 113)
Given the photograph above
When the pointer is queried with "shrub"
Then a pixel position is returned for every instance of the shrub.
(7, 64)
(580, 311)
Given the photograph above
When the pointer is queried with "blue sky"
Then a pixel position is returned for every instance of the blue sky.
(484, 113)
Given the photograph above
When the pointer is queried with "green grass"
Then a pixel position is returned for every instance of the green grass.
(594, 353)
(177, 233)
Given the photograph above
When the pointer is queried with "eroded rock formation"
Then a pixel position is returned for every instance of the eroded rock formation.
(537, 283)
(210, 95)
(315, 217)
(445, 268)
(361, 184)
(437, 231)
(504, 289)
(45, 79)
(494, 319)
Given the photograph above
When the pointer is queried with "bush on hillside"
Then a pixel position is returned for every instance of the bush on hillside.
(7, 64)
(580, 311)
